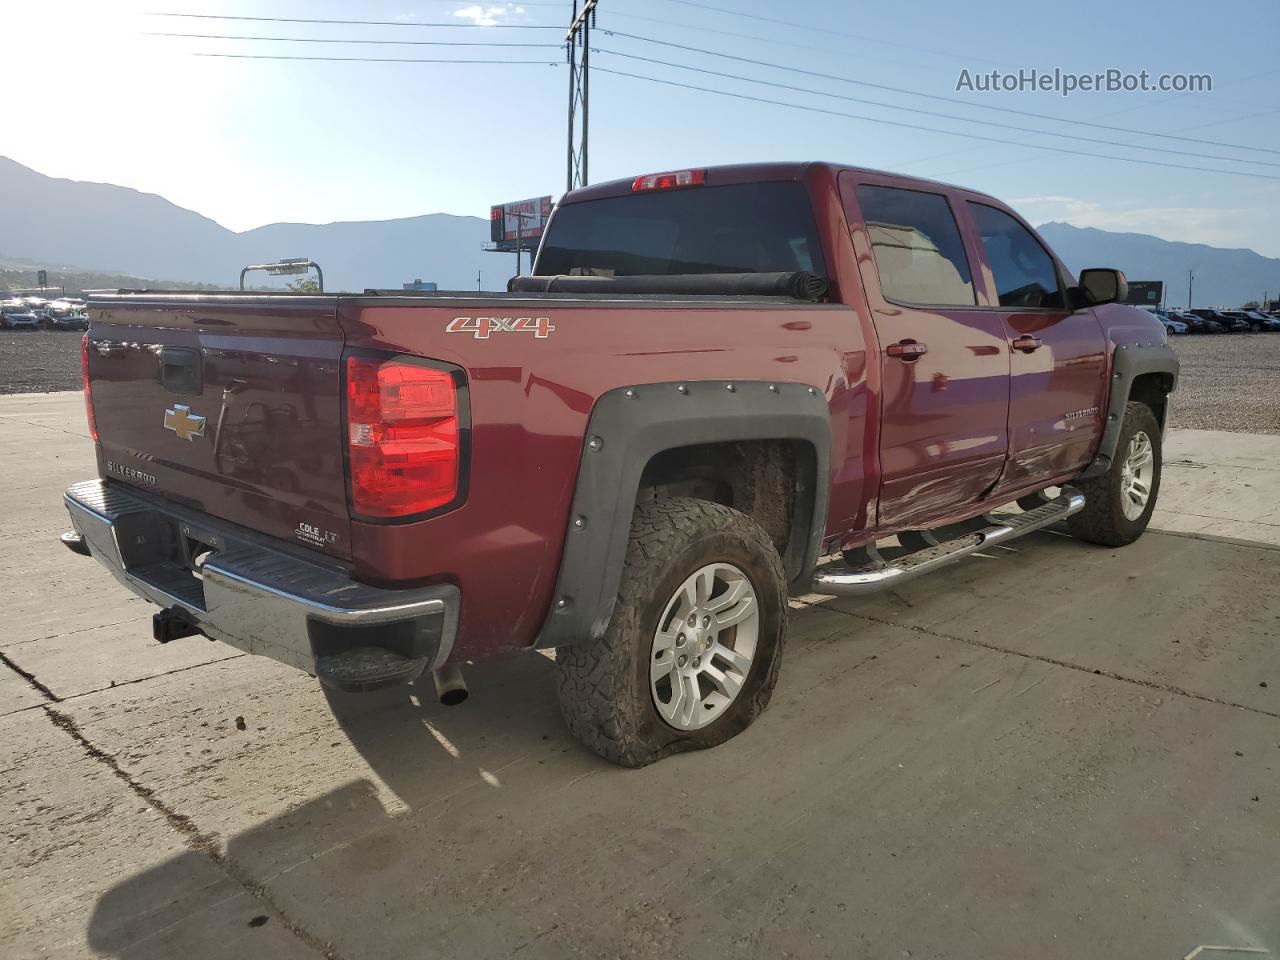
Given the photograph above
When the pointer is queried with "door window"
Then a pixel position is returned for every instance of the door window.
(918, 251)
(1024, 272)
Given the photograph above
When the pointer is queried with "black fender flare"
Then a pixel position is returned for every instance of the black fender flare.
(1128, 362)
(628, 427)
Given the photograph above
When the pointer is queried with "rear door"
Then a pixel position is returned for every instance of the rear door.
(943, 356)
(1058, 355)
(230, 405)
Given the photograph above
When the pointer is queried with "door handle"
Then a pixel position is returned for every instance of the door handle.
(1027, 343)
(907, 350)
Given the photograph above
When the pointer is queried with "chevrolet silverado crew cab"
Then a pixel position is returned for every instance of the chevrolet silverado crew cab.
(718, 387)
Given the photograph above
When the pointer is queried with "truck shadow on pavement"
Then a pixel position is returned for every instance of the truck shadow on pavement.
(218, 898)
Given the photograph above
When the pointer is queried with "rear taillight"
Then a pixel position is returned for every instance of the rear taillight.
(668, 181)
(88, 392)
(403, 437)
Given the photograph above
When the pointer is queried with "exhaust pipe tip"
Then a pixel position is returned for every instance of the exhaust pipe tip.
(450, 687)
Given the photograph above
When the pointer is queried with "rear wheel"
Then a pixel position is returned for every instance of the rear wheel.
(1118, 504)
(692, 652)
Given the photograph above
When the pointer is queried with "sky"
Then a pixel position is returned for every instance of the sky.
(253, 141)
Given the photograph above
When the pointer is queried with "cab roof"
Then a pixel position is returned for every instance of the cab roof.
(753, 173)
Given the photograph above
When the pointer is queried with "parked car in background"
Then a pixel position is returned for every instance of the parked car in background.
(1170, 325)
(1197, 324)
(1228, 324)
(36, 305)
(15, 315)
(1260, 321)
(64, 315)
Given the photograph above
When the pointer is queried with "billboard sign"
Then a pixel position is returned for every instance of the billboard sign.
(523, 220)
(1146, 293)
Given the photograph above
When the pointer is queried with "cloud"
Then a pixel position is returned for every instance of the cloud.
(1216, 226)
(491, 15)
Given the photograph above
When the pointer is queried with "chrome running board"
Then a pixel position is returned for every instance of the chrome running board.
(840, 579)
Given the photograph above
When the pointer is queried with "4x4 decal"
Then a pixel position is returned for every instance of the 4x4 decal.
(481, 327)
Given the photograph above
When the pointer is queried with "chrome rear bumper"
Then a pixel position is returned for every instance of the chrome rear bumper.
(247, 594)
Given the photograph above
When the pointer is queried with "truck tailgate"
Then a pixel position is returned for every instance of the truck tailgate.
(230, 405)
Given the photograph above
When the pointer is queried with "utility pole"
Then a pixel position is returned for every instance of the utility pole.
(1191, 275)
(578, 37)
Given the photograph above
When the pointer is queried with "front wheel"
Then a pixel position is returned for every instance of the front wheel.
(691, 655)
(1118, 504)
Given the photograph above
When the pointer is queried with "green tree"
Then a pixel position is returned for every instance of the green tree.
(305, 285)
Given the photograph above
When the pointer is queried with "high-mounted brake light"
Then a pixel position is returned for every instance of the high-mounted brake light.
(668, 181)
(88, 392)
(403, 437)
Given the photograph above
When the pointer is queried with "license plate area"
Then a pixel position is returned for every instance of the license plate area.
(166, 554)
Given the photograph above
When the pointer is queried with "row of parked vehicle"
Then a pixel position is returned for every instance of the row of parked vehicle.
(1219, 321)
(30, 313)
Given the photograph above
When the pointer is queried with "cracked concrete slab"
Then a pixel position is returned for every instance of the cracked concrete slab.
(1198, 615)
(1221, 483)
(72, 830)
(86, 660)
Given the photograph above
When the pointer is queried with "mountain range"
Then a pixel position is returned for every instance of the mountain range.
(101, 227)
(105, 228)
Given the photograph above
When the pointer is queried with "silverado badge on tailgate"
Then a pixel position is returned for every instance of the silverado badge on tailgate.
(183, 422)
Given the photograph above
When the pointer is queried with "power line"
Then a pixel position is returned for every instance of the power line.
(916, 126)
(274, 56)
(825, 29)
(401, 43)
(934, 113)
(934, 96)
(772, 41)
(363, 23)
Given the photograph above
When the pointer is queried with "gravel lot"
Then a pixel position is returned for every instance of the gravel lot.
(39, 361)
(1229, 381)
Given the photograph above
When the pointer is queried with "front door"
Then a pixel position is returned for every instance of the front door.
(1057, 398)
(944, 358)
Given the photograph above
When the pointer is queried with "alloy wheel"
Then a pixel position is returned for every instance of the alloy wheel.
(704, 646)
(1136, 475)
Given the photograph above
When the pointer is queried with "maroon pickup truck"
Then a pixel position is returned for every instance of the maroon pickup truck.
(717, 387)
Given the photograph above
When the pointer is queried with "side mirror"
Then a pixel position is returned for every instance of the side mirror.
(1099, 285)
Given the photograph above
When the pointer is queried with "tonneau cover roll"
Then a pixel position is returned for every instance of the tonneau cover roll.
(798, 285)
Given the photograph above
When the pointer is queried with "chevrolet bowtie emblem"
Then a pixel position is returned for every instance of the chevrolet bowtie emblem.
(183, 422)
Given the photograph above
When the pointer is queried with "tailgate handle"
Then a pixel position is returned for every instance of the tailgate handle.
(180, 370)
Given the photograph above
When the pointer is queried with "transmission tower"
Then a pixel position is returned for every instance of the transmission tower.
(578, 39)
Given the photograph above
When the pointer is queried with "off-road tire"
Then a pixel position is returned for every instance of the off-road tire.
(603, 685)
(1102, 520)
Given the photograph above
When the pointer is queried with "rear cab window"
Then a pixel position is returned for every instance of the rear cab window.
(735, 228)
(918, 249)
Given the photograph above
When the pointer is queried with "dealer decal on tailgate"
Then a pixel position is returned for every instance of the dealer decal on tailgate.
(482, 327)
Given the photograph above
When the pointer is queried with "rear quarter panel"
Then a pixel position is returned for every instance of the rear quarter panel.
(531, 398)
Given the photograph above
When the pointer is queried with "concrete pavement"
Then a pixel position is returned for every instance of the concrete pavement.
(1050, 750)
